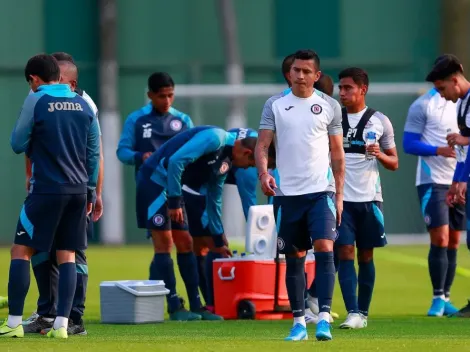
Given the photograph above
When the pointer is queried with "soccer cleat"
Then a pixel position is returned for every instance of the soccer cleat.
(6, 331)
(354, 321)
(37, 325)
(73, 329)
(183, 314)
(32, 317)
(312, 303)
(297, 333)
(437, 307)
(449, 308)
(462, 313)
(323, 331)
(310, 318)
(206, 314)
(60, 333)
(3, 302)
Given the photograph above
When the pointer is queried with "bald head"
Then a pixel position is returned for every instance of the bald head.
(68, 74)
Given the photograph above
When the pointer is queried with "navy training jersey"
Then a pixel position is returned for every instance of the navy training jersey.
(146, 130)
(59, 132)
(200, 158)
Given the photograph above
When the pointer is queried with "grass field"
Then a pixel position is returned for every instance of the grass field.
(397, 322)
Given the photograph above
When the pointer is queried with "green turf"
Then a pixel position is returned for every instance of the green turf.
(397, 322)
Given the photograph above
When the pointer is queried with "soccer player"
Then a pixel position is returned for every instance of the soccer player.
(325, 84)
(447, 77)
(45, 267)
(304, 125)
(362, 221)
(59, 132)
(430, 119)
(200, 158)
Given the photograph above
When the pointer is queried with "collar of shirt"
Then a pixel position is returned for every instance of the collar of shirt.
(54, 87)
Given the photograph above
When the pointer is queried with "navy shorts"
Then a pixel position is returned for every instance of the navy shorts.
(152, 208)
(362, 223)
(197, 214)
(303, 219)
(53, 218)
(435, 211)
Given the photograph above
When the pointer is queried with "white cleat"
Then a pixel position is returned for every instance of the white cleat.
(354, 321)
(310, 318)
(312, 303)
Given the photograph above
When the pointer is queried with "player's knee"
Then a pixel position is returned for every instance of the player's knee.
(64, 256)
(440, 236)
(365, 255)
(323, 245)
(162, 241)
(183, 241)
(346, 252)
(454, 239)
(21, 252)
(200, 246)
(296, 254)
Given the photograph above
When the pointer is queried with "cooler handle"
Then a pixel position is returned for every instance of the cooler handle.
(141, 294)
(226, 278)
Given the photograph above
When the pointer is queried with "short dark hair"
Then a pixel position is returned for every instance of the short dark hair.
(286, 65)
(444, 66)
(308, 55)
(250, 143)
(44, 66)
(325, 84)
(159, 80)
(358, 75)
(62, 56)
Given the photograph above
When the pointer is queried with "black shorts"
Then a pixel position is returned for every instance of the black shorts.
(197, 214)
(49, 218)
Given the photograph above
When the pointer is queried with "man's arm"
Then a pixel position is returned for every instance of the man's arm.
(267, 128)
(337, 161)
(93, 159)
(247, 179)
(99, 185)
(389, 157)
(204, 142)
(126, 152)
(21, 134)
(214, 209)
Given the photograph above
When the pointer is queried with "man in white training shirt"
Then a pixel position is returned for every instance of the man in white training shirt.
(363, 221)
(304, 124)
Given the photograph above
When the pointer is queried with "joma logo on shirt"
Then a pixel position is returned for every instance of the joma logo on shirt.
(64, 106)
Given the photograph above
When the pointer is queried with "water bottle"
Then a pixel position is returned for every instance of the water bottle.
(459, 150)
(371, 139)
(234, 253)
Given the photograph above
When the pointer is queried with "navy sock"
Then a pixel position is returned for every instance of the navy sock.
(295, 283)
(312, 290)
(67, 285)
(78, 307)
(325, 277)
(348, 282)
(201, 268)
(188, 269)
(211, 256)
(366, 281)
(18, 285)
(46, 279)
(437, 262)
(451, 267)
(161, 268)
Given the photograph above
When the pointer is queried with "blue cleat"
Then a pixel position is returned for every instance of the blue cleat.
(449, 308)
(323, 331)
(297, 333)
(437, 307)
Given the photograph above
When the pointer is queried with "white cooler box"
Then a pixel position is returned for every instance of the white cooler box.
(132, 301)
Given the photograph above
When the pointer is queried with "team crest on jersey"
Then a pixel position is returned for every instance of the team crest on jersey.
(223, 168)
(427, 219)
(176, 125)
(158, 220)
(280, 243)
(316, 109)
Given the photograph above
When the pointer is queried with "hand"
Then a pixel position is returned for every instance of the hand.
(447, 152)
(98, 211)
(224, 251)
(176, 215)
(146, 156)
(461, 192)
(89, 208)
(456, 139)
(268, 184)
(451, 196)
(339, 208)
(374, 150)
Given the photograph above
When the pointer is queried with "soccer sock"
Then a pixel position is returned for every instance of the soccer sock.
(211, 256)
(161, 268)
(78, 306)
(451, 267)
(188, 269)
(348, 282)
(312, 290)
(300, 320)
(295, 283)
(438, 263)
(366, 281)
(18, 286)
(201, 268)
(42, 272)
(67, 285)
(325, 277)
